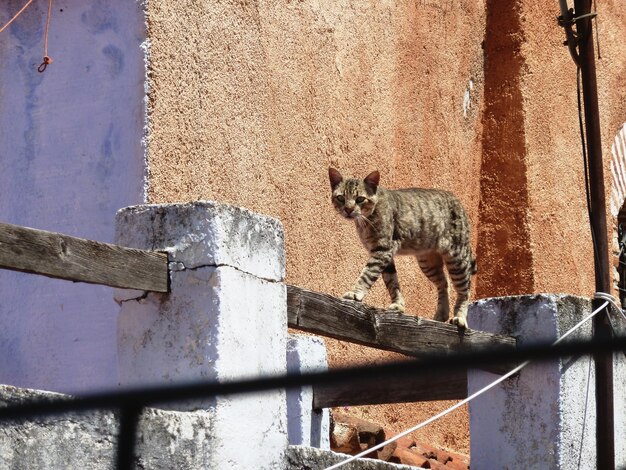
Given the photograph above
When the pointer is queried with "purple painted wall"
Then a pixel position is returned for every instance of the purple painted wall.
(70, 155)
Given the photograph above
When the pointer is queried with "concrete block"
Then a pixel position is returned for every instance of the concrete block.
(225, 318)
(165, 440)
(619, 398)
(310, 458)
(305, 425)
(207, 233)
(73, 440)
(544, 417)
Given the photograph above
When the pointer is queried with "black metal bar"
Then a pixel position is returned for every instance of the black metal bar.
(127, 437)
(605, 426)
(152, 396)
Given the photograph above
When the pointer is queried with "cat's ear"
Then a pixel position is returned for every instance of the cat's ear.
(335, 178)
(372, 180)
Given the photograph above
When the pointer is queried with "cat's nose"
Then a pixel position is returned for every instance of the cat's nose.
(348, 209)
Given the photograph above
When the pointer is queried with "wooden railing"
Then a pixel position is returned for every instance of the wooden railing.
(412, 336)
(76, 259)
(382, 329)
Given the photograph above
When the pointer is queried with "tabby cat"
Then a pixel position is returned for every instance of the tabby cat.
(429, 224)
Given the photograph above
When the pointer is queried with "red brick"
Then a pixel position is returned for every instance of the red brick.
(386, 452)
(436, 465)
(345, 439)
(406, 442)
(408, 458)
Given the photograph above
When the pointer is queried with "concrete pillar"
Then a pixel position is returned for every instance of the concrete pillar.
(225, 318)
(306, 426)
(619, 397)
(544, 417)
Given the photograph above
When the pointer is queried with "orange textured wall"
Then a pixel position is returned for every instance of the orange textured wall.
(250, 104)
(251, 101)
(533, 227)
(559, 235)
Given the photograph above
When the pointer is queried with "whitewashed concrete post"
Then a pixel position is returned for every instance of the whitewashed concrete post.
(544, 417)
(225, 318)
(306, 426)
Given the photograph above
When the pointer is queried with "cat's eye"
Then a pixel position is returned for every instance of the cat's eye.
(360, 200)
(341, 199)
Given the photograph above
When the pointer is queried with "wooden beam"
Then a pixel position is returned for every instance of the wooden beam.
(447, 385)
(75, 259)
(358, 323)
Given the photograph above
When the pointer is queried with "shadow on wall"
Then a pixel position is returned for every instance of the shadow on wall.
(503, 252)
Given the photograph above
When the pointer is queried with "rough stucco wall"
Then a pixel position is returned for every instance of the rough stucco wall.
(379, 85)
(250, 102)
(560, 237)
(533, 229)
(504, 253)
(611, 72)
(559, 228)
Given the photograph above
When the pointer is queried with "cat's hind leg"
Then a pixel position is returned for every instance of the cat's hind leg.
(390, 276)
(431, 263)
(460, 269)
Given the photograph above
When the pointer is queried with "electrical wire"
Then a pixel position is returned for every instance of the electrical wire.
(16, 15)
(46, 58)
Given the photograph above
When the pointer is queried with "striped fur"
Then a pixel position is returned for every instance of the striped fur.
(429, 224)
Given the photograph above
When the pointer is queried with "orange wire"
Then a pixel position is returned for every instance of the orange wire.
(16, 15)
(45, 43)
(46, 58)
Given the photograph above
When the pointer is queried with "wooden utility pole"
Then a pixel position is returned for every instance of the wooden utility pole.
(605, 427)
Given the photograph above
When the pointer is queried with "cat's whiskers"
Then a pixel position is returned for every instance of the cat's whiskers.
(364, 220)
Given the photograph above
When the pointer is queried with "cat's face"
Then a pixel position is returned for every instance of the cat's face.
(353, 198)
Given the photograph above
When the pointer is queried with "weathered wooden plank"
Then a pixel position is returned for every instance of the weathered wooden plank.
(447, 385)
(362, 324)
(64, 257)
(325, 315)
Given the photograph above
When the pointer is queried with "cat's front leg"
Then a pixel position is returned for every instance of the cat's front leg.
(380, 258)
(390, 276)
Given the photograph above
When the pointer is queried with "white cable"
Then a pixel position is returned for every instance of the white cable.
(475, 394)
(612, 300)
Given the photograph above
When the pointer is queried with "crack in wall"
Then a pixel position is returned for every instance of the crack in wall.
(220, 265)
(179, 267)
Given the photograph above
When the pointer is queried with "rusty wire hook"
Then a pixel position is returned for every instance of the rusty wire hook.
(42, 67)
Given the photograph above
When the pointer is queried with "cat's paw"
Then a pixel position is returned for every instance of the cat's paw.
(397, 307)
(442, 315)
(351, 295)
(460, 322)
